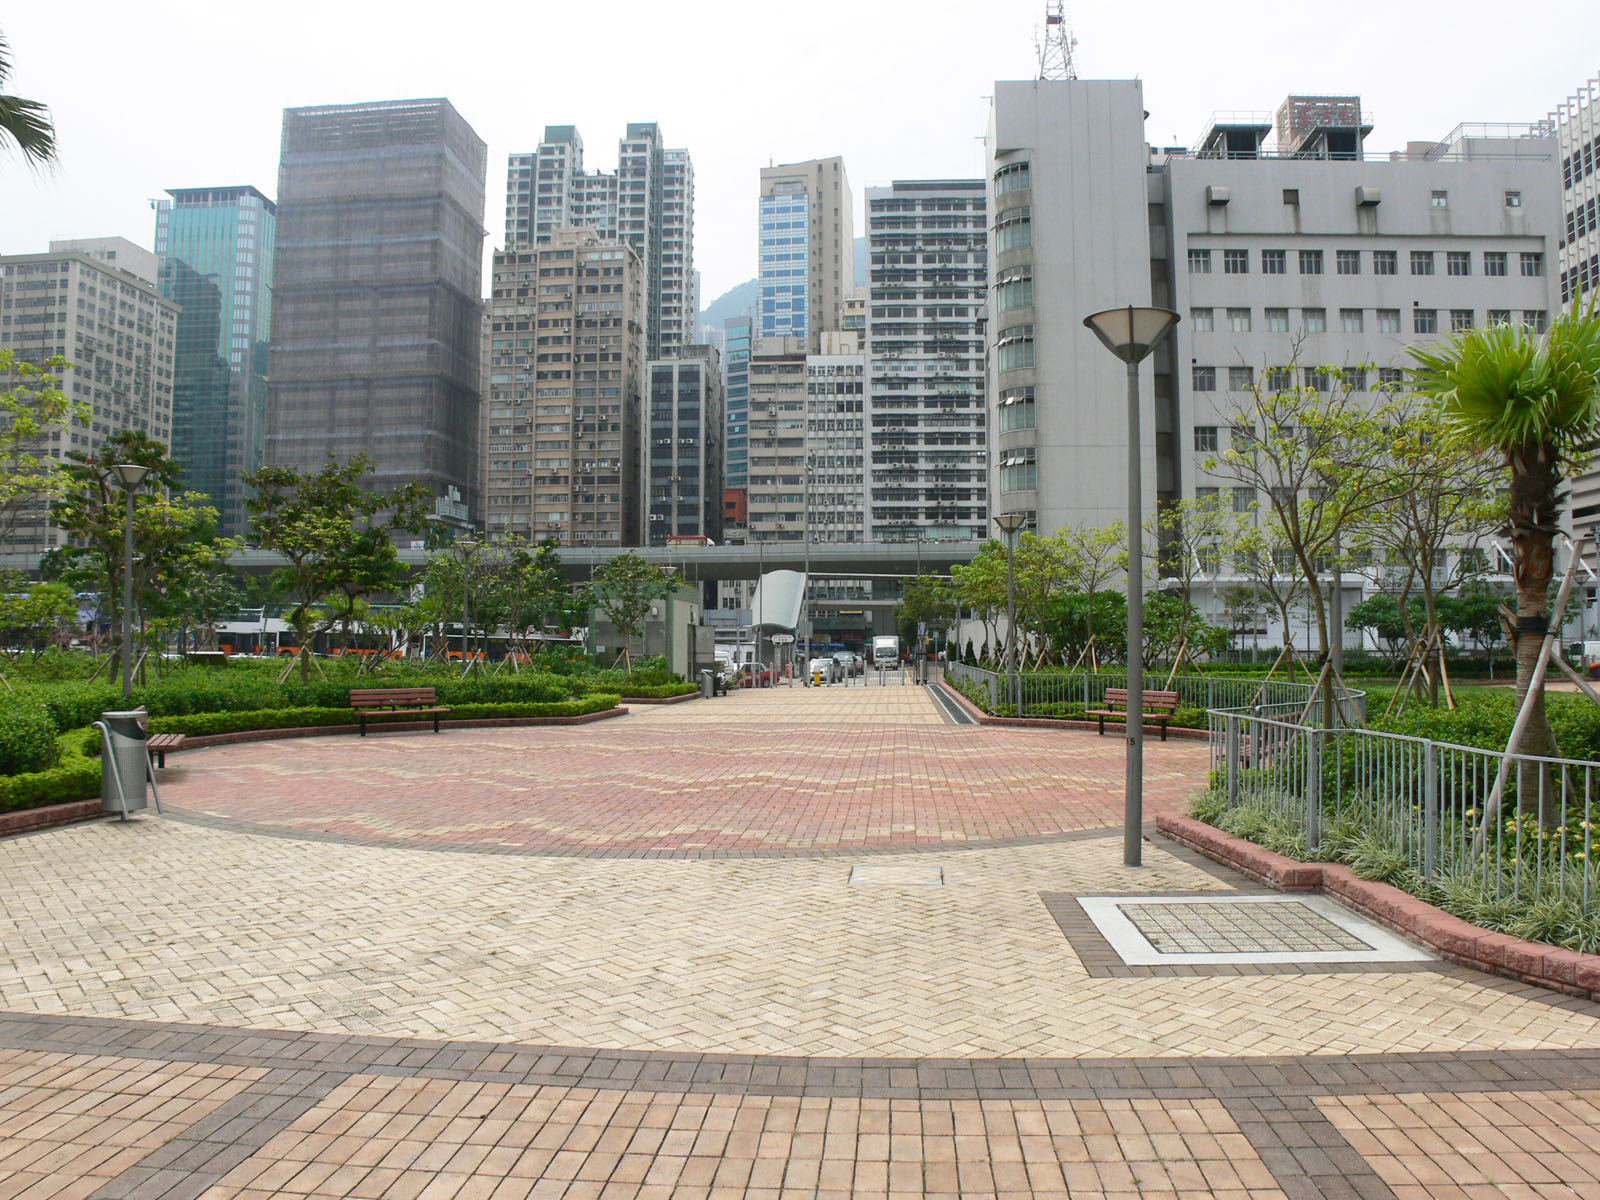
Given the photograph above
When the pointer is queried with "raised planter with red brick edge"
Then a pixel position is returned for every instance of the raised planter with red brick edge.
(23, 819)
(661, 699)
(983, 718)
(1452, 938)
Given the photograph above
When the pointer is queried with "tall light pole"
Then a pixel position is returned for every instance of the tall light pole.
(1009, 523)
(467, 548)
(1131, 333)
(130, 475)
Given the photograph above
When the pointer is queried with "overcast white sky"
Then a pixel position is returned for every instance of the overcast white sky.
(189, 93)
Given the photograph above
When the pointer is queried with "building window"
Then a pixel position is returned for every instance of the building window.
(1311, 262)
(1513, 199)
(1422, 262)
(1240, 379)
(1011, 178)
(1317, 379)
(1013, 230)
(1439, 198)
(1279, 379)
(1237, 262)
(1385, 262)
(1199, 262)
(1388, 320)
(1238, 320)
(1019, 470)
(1458, 262)
(1015, 290)
(1274, 262)
(1204, 322)
(1244, 499)
(1536, 319)
(1314, 319)
(1205, 379)
(1349, 262)
(1460, 319)
(1391, 377)
(1277, 320)
(1424, 320)
(1497, 316)
(1291, 195)
(1494, 262)
(1205, 438)
(1532, 264)
(1016, 409)
(1014, 350)
(1350, 321)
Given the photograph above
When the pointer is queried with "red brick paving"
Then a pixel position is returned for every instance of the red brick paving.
(712, 785)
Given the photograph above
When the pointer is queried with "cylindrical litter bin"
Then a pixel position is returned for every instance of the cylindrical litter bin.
(708, 684)
(132, 763)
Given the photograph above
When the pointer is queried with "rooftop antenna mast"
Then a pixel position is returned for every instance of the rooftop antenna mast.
(1055, 43)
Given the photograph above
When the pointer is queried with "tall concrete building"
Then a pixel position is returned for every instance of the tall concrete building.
(647, 202)
(566, 370)
(1576, 126)
(776, 461)
(927, 422)
(805, 249)
(683, 447)
(834, 494)
(214, 247)
(377, 298)
(736, 393)
(1274, 232)
(117, 330)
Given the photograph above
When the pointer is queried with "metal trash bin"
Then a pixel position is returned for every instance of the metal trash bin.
(126, 736)
(708, 684)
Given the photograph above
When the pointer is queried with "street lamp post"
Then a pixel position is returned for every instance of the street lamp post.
(130, 475)
(1009, 524)
(468, 548)
(1131, 333)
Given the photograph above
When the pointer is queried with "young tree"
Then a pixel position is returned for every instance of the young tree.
(927, 601)
(25, 124)
(31, 402)
(623, 588)
(1191, 534)
(35, 616)
(980, 587)
(1098, 555)
(1534, 403)
(1243, 605)
(336, 542)
(1046, 567)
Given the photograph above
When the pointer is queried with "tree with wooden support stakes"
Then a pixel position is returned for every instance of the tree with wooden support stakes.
(1534, 402)
(623, 588)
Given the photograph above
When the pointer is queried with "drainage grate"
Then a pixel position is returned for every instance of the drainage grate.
(897, 875)
(1234, 929)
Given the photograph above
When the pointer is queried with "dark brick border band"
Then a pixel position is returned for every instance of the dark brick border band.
(1273, 1077)
(21, 820)
(1454, 939)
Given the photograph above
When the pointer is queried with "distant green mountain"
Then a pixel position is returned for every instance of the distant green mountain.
(741, 298)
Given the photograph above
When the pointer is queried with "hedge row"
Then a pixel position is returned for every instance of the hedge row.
(75, 775)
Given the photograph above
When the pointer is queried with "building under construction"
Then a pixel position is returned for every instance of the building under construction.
(376, 319)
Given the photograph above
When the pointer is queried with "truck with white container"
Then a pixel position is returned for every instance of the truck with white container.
(886, 651)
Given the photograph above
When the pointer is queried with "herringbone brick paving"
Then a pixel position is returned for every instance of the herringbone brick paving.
(357, 919)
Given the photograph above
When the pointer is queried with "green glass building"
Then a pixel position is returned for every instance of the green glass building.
(214, 249)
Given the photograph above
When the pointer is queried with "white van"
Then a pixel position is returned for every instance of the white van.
(886, 651)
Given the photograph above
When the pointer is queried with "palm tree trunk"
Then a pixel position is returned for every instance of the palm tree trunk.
(1533, 479)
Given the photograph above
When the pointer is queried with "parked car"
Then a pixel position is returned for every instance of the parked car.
(849, 662)
(823, 670)
(755, 675)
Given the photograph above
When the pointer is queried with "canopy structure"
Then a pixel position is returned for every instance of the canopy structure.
(778, 600)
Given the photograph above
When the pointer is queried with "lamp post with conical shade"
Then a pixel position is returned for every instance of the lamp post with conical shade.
(1131, 334)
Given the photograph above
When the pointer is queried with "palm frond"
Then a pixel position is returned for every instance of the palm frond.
(26, 124)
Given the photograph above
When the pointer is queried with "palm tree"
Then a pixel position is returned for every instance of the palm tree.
(1536, 403)
(25, 124)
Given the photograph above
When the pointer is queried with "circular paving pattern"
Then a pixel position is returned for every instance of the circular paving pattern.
(758, 774)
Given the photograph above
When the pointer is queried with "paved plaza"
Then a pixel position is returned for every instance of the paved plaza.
(788, 943)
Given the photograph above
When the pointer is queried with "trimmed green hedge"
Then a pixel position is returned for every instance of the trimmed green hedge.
(27, 738)
(75, 775)
(654, 691)
(199, 724)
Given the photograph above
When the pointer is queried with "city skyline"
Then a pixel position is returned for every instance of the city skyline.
(885, 121)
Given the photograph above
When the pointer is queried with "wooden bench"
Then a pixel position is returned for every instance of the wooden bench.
(1159, 707)
(412, 702)
(158, 744)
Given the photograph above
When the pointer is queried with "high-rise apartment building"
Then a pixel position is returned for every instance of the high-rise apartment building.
(1576, 125)
(214, 247)
(683, 447)
(377, 299)
(1303, 247)
(648, 202)
(736, 399)
(805, 249)
(566, 369)
(117, 330)
(776, 462)
(834, 491)
(928, 414)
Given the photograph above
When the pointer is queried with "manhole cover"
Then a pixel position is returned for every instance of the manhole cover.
(897, 875)
(1156, 930)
